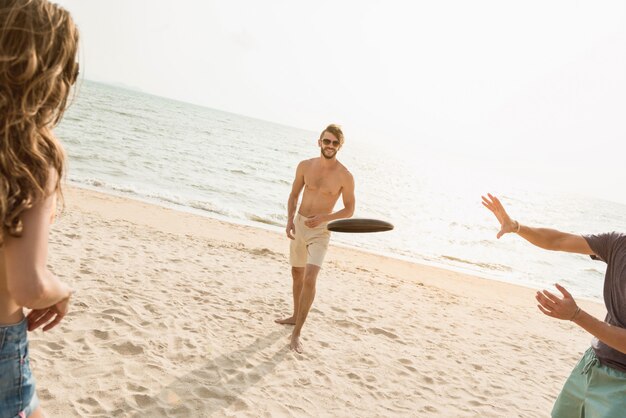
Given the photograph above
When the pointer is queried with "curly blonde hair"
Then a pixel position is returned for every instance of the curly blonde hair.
(38, 47)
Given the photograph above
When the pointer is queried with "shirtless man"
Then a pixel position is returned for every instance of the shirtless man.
(324, 179)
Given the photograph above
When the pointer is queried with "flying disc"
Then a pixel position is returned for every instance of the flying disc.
(359, 225)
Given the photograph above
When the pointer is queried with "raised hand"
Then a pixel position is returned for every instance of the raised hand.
(561, 308)
(506, 223)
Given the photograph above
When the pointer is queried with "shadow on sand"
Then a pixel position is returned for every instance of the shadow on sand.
(218, 384)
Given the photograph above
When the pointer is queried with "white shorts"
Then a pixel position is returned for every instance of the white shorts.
(309, 245)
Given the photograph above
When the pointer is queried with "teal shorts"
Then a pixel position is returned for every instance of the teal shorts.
(592, 390)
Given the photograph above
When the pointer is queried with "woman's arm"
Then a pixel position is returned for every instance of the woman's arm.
(29, 280)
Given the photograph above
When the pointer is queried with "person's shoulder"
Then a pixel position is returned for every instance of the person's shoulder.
(614, 236)
(616, 241)
(605, 243)
(344, 169)
(618, 237)
(346, 174)
(305, 163)
(607, 235)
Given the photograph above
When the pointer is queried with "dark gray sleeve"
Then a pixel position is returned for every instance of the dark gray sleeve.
(602, 244)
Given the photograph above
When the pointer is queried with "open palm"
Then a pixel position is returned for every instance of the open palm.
(506, 223)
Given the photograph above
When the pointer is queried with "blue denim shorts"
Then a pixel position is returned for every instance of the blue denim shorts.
(17, 384)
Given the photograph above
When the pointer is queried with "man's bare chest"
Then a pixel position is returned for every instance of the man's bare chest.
(324, 184)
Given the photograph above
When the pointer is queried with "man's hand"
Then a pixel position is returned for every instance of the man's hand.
(556, 307)
(291, 229)
(506, 223)
(314, 221)
(50, 316)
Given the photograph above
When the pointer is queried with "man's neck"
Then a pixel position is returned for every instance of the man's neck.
(328, 162)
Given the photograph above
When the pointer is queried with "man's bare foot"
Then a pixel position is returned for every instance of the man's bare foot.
(295, 344)
(286, 321)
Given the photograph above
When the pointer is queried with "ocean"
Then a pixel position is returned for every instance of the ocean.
(240, 169)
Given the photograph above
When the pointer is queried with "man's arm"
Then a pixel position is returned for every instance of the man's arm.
(546, 238)
(611, 335)
(551, 239)
(565, 308)
(292, 202)
(349, 201)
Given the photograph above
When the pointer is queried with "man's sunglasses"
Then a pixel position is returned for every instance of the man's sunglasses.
(328, 142)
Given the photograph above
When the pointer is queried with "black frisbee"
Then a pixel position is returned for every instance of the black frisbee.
(359, 225)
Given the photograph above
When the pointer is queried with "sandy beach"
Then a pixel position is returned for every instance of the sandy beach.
(173, 316)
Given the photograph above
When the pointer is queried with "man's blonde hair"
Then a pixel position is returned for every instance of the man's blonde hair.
(335, 130)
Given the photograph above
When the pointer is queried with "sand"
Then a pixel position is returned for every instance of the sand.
(173, 316)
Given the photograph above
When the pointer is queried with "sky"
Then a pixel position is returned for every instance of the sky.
(533, 92)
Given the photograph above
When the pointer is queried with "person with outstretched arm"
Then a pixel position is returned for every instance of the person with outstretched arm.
(597, 385)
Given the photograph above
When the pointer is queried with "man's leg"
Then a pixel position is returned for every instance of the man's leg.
(605, 396)
(571, 401)
(306, 300)
(297, 273)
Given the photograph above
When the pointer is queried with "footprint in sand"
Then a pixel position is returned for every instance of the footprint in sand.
(354, 376)
(102, 335)
(143, 400)
(204, 393)
(53, 346)
(132, 387)
(379, 331)
(128, 348)
(44, 394)
(428, 380)
(364, 319)
(342, 323)
(90, 401)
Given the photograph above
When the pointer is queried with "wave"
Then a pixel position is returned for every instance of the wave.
(267, 221)
(244, 172)
(208, 207)
(487, 266)
(119, 112)
(103, 185)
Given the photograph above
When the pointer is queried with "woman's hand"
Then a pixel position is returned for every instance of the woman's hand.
(48, 317)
